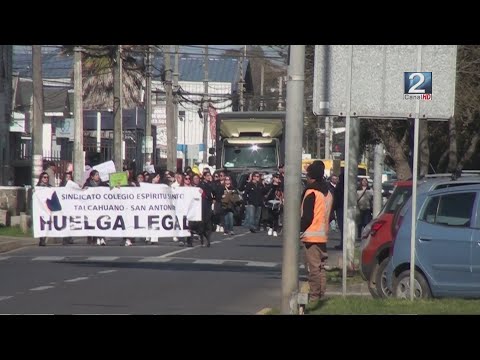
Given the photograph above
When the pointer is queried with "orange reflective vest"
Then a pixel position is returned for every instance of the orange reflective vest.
(318, 229)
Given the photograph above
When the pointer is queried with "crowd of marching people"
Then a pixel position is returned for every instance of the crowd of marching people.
(256, 202)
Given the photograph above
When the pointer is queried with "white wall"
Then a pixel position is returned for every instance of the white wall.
(190, 131)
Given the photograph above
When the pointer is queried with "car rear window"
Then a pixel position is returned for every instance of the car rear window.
(400, 195)
(450, 209)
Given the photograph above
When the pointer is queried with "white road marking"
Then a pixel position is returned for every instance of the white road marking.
(40, 288)
(77, 279)
(5, 297)
(195, 247)
(102, 258)
(4, 257)
(48, 258)
(155, 259)
(208, 261)
(106, 271)
(261, 264)
(178, 251)
(236, 236)
(215, 242)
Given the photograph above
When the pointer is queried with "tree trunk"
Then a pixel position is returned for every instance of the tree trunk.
(468, 154)
(452, 154)
(395, 150)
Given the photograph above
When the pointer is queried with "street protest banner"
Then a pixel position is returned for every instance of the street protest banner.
(149, 210)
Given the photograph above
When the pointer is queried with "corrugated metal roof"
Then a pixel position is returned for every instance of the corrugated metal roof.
(54, 64)
(223, 69)
(59, 66)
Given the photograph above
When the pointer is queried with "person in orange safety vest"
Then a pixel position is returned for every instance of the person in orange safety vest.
(315, 214)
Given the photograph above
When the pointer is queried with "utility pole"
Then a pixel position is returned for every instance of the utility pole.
(352, 131)
(241, 80)
(37, 133)
(171, 151)
(205, 104)
(318, 132)
(377, 179)
(280, 93)
(6, 103)
(148, 108)
(176, 75)
(78, 157)
(117, 111)
(328, 131)
(262, 81)
(293, 157)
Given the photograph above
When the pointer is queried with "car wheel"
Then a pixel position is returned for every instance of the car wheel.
(383, 290)
(401, 286)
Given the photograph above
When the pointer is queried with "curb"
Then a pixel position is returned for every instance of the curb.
(9, 243)
(332, 290)
(13, 245)
(264, 311)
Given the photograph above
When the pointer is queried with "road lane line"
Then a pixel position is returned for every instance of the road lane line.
(4, 257)
(178, 251)
(48, 258)
(261, 264)
(77, 279)
(5, 297)
(102, 258)
(209, 261)
(155, 259)
(40, 288)
(195, 247)
(106, 271)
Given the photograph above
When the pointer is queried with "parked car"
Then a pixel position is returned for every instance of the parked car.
(377, 239)
(377, 235)
(447, 245)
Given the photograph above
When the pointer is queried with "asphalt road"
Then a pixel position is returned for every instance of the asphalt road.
(239, 274)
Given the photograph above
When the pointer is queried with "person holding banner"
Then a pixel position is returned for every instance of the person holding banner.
(43, 181)
(93, 181)
(68, 176)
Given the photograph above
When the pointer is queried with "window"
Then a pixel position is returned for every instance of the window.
(450, 210)
(398, 198)
(453, 184)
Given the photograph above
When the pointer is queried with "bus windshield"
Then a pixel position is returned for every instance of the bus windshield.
(250, 155)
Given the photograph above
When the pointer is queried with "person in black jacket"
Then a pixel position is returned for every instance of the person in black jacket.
(254, 192)
(94, 181)
(202, 228)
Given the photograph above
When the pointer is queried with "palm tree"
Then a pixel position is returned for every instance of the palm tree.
(98, 61)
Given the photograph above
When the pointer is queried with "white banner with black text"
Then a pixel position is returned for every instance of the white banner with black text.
(149, 210)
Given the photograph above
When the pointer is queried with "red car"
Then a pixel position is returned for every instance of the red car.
(377, 240)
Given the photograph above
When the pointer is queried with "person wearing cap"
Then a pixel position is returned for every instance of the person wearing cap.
(315, 214)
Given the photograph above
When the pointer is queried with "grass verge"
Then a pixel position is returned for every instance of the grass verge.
(358, 305)
(14, 231)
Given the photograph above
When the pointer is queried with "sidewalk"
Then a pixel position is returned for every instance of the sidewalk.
(9, 243)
